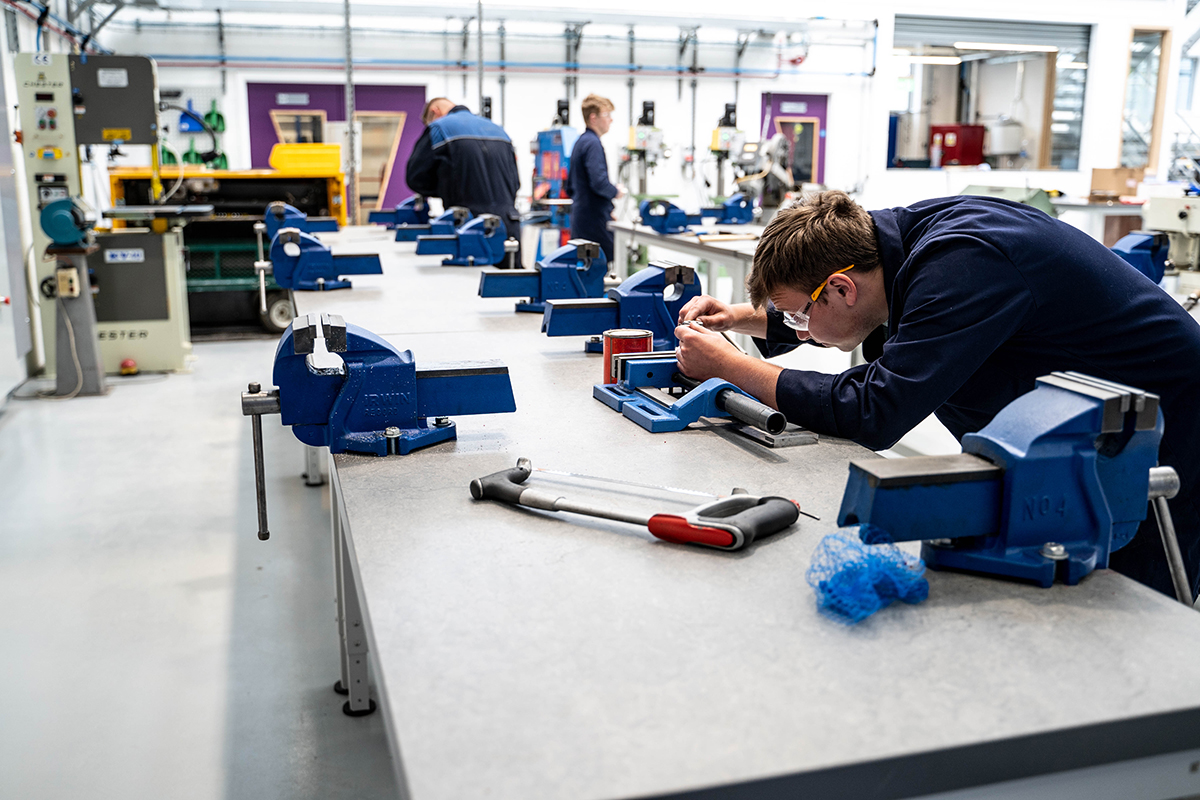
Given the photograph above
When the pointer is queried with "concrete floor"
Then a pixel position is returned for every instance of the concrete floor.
(150, 645)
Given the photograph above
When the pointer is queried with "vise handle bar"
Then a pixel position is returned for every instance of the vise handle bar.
(729, 523)
(255, 403)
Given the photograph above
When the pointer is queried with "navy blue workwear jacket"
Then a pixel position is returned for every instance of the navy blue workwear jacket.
(985, 296)
(467, 161)
(591, 192)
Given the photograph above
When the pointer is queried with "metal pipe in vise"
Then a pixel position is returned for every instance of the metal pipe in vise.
(741, 407)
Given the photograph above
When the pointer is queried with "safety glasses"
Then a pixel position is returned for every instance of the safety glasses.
(798, 320)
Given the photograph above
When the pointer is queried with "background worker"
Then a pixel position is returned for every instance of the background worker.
(467, 161)
(979, 297)
(588, 186)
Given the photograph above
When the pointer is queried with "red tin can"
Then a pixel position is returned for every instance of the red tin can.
(624, 340)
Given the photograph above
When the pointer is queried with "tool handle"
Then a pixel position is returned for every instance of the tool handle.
(750, 411)
(770, 515)
(260, 482)
(505, 485)
(676, 529)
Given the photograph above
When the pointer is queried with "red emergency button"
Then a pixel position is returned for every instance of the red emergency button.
(52, 113)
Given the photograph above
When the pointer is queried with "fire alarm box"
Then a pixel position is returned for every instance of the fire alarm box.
(959, 144)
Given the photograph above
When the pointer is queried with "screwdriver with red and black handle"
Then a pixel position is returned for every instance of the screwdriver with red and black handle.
(729, 523)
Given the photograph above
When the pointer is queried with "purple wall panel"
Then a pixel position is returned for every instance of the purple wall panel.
(331, 98)
(817, 106)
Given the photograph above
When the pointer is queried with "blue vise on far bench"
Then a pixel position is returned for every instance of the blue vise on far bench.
(280, 215)
(301, 261)
(575, 270)
(650, 299)
(666, 217)
(479, 241)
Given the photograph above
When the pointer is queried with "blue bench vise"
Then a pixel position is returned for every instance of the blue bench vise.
(413, 211)
(479, 241)
(1145, 252)
(650, 299)
(666, 217)
(576, 269)
(651, 391)
(1058, 480)
(280, 215)
(300, 261)
(345, 388)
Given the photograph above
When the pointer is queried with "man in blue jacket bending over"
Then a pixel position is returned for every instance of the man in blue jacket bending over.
(967, 300)
(466, 161)
(588, 185)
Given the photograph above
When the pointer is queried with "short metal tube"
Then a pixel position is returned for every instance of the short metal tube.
(752, 412)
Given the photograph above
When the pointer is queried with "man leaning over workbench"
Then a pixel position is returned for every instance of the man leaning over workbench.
(467, 161)
(960, 304)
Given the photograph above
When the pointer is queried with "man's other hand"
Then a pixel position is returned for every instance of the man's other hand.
(709, 311)
(703, 354)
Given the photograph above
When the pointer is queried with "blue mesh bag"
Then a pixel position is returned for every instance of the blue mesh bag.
(855, 577)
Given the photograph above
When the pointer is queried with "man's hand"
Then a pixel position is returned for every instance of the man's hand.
(703, 354)
(621, 191)
(710, 312)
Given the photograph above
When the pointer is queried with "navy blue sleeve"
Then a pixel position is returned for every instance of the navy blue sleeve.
(595, 168)
(421, 172)
(964, 300)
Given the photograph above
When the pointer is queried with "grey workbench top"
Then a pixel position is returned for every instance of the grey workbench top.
(741, 250)
(524, 654)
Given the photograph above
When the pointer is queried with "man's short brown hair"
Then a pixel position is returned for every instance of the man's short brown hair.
(595, 104)
(807, 243)
(425, 117)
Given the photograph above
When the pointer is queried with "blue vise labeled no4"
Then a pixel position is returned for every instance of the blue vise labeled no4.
(479, 241)
(1059, 479)
(666, 217)
(575, 270)
(650, 299)
(301, 261)
(344, 387)
(280, 215)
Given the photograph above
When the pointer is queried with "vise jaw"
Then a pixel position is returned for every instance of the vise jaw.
(345, 388)
(1058, 480)
(413, 211)
(650, 299)
(575, 270)
(301, 261)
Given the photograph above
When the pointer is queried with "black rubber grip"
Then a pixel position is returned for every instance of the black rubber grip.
(750, 411)
(771, 515)
(505, 485)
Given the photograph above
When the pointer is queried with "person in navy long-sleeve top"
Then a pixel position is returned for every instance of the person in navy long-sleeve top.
(969, 300)
(588, 186)
(467, 161)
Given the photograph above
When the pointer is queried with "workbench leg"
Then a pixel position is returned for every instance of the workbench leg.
(351, 634)
(622, 243)
(314, 475)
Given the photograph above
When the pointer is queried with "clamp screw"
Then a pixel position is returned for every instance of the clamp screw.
(441, 422)
(1054, 551)
(391, 432)
(254, 388)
